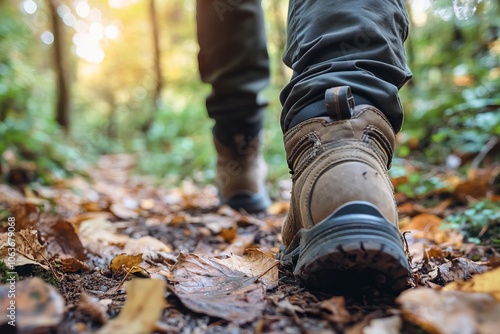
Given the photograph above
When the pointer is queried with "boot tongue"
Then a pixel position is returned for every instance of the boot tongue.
(339, 102)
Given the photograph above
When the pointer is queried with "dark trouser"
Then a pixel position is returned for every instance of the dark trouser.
(233, 59)
(356, 43)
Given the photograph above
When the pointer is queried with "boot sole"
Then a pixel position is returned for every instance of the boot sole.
(254, 203)
(353, 251)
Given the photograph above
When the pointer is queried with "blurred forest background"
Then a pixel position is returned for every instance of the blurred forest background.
(83, 78)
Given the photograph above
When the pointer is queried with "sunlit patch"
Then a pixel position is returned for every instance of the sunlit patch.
(111, 32)
(82, 9)
(419, 11)
(464, 9)
(69, 19)
(63, 10)
(47, 37)
(30, 6)
(87, 47)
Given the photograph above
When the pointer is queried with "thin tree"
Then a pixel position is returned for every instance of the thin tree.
(63, 105)
(156, 64)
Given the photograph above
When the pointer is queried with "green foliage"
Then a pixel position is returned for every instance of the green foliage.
(29, 135)
(480, 222)
(452, 103)
(6, 273)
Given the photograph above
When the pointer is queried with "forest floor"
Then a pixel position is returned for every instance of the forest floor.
(117, 253)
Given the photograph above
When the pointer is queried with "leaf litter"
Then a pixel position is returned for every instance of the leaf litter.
(96, 242)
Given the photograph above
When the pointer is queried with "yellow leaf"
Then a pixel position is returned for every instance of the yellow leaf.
(143, 308)
(128, 263)
(488, 282)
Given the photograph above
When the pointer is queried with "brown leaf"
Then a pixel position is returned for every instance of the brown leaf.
(424, 224)
(459, 269)
(70, 264)
(61, 238)
(488, 282)
(229, 288)
(451, 311)
(279, 208)
(476, 185)
(100, 237)
(229, 234)
(27, 248)
(92, 307)
(143, 308)
(389, 325)
(129, 263)
(240, 244)
(122, 211)
(38, 305)
(336, 310)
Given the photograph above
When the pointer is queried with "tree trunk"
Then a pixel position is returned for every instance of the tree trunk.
(279, 39)
(63, 105)
(156, 64)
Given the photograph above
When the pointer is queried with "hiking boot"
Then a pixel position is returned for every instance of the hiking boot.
(241, 174)
(341, 232)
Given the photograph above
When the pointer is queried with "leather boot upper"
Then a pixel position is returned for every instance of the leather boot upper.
(240, 169)
(333, 162)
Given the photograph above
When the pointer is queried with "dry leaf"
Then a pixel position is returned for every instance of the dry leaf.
(100, 237)
(390, 325)
(91, 306)
(229, 288)
(128, 263)
(143, 308)
(450, 312)
(229, 234)
(61, 238)
(476, 185)
(122, 211)
(337, 312)
(459, 269)
(28, 249)
(38, 305)
(70, 264)
(279, 208)
(240, 244)
(488, 282)
(424, 224)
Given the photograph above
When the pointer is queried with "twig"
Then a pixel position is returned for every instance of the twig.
(37, 251)
(484, 152)
(265, 272)
(409, 258)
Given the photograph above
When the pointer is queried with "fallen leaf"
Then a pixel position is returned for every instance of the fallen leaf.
(488, 282)
(229, 234)
(147, 203)
(71, 265)
(101, 237)
(476, 185)
(128, 263)
(231, 288)
(424, 224)
(38, 305)
(61, 238)
(459, 269)
(239, 245)
(92, 307)
(143, 308)
(27, 248)
(450, 312)
(122, 211)
(214, 222)
(389, 325)
(336, 310)
(279, 208)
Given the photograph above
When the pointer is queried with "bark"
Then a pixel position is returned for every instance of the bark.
(63, 104)
(156, 63)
